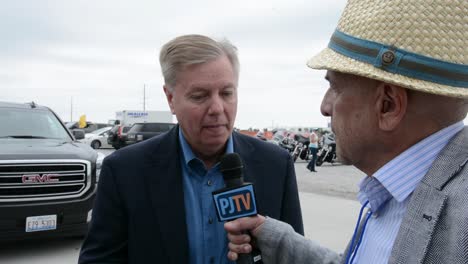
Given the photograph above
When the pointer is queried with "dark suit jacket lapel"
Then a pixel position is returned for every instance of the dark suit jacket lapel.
(164, 185)
(245, 151)
(253, 164)
(427, 203)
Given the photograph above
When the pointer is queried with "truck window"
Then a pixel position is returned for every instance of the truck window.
(152, 127)
(38, 123)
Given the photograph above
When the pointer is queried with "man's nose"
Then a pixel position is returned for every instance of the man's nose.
(216, 105)
(327, 107)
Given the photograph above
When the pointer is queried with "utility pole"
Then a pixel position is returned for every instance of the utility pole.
(144, 97)
(71, 109)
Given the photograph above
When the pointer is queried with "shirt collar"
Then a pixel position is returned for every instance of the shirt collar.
(399, 177)
(188, 154)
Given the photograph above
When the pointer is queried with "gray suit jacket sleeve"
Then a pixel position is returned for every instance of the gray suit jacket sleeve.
(280, 244)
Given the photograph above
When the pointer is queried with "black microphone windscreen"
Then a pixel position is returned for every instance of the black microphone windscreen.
(231, 166)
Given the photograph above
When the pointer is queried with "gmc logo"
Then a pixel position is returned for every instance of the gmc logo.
(38, 178)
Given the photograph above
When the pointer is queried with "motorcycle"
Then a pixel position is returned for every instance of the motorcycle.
(301, 149)
(327, 151)
(283, 141)
(261, 136)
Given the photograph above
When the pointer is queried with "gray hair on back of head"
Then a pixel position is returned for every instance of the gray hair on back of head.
(187, 50)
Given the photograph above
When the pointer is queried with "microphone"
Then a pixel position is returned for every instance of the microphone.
(236, 200)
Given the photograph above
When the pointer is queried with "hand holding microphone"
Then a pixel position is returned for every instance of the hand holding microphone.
(235, 201)
(239, 242)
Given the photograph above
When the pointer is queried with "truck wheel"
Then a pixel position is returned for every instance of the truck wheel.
(95, 144)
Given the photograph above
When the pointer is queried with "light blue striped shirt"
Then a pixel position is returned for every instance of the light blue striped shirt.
(389, 191)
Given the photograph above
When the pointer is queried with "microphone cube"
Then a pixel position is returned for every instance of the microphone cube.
(235, 202)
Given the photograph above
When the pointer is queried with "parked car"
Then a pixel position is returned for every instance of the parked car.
(98, 138)
(117, 136)
(47, 179)
(143, 131)
(90, 126)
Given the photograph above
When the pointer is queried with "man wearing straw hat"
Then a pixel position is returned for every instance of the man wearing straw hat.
(398, 74)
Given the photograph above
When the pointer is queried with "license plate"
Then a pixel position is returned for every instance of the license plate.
(41, 223)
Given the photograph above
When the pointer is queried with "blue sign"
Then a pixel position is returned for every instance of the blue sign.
(233, 203)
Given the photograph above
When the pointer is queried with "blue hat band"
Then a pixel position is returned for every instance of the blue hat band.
(399, 61)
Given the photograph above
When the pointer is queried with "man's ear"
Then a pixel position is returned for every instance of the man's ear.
(391, 105)
(170, 97)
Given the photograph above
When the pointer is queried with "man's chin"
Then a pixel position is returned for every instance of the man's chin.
(215, 141)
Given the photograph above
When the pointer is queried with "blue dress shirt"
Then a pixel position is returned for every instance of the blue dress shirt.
(389, 191)
(207, 239)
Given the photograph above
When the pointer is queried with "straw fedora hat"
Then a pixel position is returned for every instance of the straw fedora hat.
(416, 44)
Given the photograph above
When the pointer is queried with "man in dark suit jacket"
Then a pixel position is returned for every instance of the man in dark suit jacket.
(154, 201)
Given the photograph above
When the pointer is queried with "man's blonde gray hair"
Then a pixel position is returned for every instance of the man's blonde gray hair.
(187, 50)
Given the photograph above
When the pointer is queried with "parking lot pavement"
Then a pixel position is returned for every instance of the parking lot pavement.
(59, 251)
(332, 180)
(328, 205)
(329, 220)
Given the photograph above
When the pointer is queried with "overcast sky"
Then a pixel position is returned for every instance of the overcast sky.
(102, 53)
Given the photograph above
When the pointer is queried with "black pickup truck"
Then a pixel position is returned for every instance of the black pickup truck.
(47, 178)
